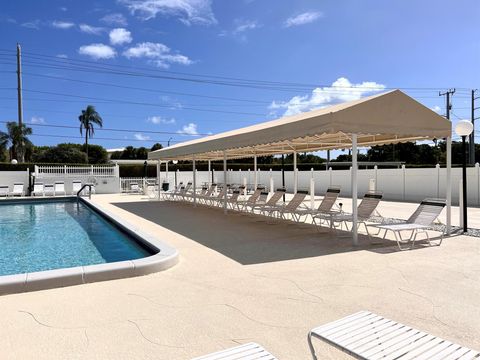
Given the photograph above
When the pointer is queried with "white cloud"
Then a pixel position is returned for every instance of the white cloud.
(88, 29)
(140, 136)
(188, 11)
(245, 25)
(304, 18)
(120, 36)
(341, 90)
(189, 129)
(114, 19)
(63, 8)
(157, 53)
(37, 120)
(437, 109)
(160, 120)
(34, 24)
(97, 51)
(62, 24)
(62, 56)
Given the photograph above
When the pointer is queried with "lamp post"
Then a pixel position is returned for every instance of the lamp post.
(464, 128)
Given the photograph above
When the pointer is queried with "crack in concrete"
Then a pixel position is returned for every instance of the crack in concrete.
(292, 282)
(151, 341)
(400, 272)
(50, 326)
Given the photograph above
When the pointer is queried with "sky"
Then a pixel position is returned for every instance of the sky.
(173, 70)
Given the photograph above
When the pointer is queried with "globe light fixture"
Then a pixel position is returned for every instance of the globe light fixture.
(14, 162)
(175, 162)
(464, 128)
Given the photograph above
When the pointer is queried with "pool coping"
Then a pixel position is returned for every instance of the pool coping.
(166, 256)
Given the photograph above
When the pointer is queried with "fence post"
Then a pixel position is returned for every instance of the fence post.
(403, 181)
(437, 167)
(477, 167)
(375, 168)
(460, 201)
(330, 173)
(35, 169)
(91, 170)
(271, 182)
(312, 190)
(245, 186)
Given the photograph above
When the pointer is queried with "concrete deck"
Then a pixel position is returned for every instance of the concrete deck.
(239, 280)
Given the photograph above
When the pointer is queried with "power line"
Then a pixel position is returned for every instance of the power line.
(101, 138)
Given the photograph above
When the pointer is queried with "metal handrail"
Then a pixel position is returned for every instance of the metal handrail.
(89, 190)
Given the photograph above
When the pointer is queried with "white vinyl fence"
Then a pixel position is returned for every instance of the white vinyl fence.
(404, 184)
(126, 183)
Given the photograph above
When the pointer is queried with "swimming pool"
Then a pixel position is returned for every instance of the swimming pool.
(58, 242)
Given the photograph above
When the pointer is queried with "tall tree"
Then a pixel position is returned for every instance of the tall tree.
(87, 119)
(17, 138)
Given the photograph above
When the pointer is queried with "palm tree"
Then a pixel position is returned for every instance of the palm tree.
(89, 117)
(16, 137)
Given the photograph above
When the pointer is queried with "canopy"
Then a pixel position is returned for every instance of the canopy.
(389, 117)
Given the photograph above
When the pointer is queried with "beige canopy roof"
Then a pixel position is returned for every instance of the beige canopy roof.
(390, 117)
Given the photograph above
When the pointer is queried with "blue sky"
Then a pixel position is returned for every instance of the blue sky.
(333, 50)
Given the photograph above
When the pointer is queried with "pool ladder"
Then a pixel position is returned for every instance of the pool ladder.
(89, 191)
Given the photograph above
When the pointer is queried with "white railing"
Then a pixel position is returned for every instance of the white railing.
(67, 171)
(126, 183)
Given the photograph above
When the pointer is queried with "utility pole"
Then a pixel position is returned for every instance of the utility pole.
(448, 103)
(472, 135)
(19, 85)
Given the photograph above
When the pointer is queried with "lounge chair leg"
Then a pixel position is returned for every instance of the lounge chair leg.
(310, 345)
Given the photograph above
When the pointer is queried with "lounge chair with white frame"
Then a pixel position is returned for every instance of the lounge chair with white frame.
(260, 200)
(49, 189)
(271, 202)
(326, 205)
(243, 204)
(169, 194)
(18, 190)
(218, 199)
(4, 190)
(283, 210)
(249, 351)
(76, 186)
(419, 222)
(365, 211)
(38, 189)
(204, 197)
(59, 188)
(134, 188)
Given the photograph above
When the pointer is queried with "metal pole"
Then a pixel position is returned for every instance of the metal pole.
(209, 171)
(255, 175)
(295, 177)
(283, 175)
(166, 172)
(471, 141)
(449, 185)
(158, 179)
(19, 85)
(464, 178)
(194, 182)
(225, 180)
(354, 190)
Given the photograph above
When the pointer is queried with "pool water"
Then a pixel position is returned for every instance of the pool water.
(61, 234)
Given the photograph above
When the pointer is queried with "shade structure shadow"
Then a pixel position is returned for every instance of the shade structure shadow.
(244, 238)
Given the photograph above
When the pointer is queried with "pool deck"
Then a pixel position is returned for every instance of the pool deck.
(240, 279)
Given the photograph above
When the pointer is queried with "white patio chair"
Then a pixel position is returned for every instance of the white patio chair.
(365, 335)
(284, 209)
(250, 351)
(49, 190)
(244, 204)
(76, 186)
(18, 190)
(419, 222)
(271, 202)
(134, 188)
(4, 190)
(204, 198)
(59, 188)
(325, 207)
(38, 189)
(151, 190)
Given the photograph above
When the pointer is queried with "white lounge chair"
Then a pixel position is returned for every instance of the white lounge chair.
(271, 202)
(49, 190)
(151, 190)
(365, 335)
(4, 190)
(250, 351)
(326, 205)
(283, 210)
(38, 189)
(18, 190)
(419, 222)
(76, 186)
(204, 197)
(134, 188)
(365, 211)
(59, 188)
(244, 204)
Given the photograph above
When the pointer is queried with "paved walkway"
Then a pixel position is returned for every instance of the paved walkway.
(239, 280)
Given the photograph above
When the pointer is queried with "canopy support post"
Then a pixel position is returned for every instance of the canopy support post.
(295, 173)
(225, 181)
(449, 185)
(158, 179)
(255, 175)
(354, 191)
(194, 170)
(166, 172)
(209, 170)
